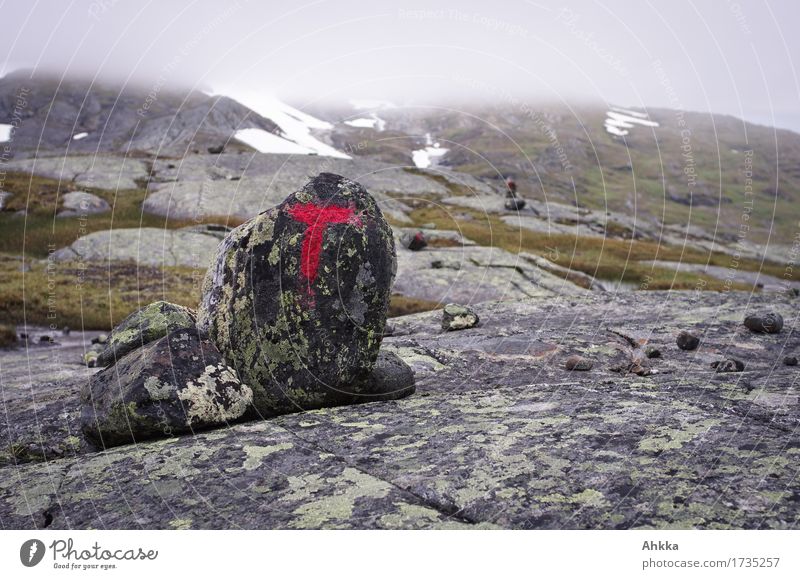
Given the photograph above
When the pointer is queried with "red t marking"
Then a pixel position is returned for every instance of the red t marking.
(317, 219)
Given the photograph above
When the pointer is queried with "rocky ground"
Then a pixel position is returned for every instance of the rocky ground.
(498, 434)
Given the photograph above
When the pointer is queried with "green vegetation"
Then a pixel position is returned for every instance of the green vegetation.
(90, 297)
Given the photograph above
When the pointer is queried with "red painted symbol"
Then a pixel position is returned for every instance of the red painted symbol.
(317, 219)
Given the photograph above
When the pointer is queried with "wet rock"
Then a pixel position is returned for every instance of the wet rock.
(458, 317)
(142, 327)
(177, 384)
(414, 241)
(687, 341)
(578, 364)
(790, 361)
(767, 323)
(728, 365)
(652, 352)
(297, 297)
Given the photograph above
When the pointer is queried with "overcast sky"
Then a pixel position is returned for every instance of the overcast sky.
(724, 56)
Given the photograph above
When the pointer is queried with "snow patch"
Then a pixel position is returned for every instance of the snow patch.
(80, 136)
(5, 132)
(295, 125)
(373, 122)
(265, 142)
(430, 155)
(619, 120)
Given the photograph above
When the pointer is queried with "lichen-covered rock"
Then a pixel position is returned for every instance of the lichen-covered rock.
(578, 364)
(458, 317)
(769, 323)
(177, 384)
(414, 241)
(296, 299)
(144, 326)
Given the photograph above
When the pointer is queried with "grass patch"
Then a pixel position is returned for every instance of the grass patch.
(402, 305)
(8, 335)
(89, 296)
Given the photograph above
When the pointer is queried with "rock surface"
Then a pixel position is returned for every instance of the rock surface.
(145, 246)
(498, 433)
(177, 384)
(297, 297)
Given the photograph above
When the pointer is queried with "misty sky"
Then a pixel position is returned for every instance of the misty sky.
(734, 57)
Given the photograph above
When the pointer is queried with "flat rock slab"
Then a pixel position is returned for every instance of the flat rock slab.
(94, 171)
(498, 434)
(145, 246)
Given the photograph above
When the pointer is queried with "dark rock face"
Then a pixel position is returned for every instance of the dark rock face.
(415, 241)
(144, 326)
(687, 341)
(178, 384)
(458, 317)
(297, 297)
(768, 323)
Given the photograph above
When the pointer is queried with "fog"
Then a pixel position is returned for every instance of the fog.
(724, 56)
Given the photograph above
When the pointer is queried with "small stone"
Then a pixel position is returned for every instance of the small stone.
(46, 339)
(458, 317)
(578, 364)
(65, 331)
(100, 339)
(652, 352)
(78, 203)
(514, 203)
(687, 341)
(768, 323)
(790, 361)
(414, 241)
(216, 150)
(177, 384)
(728, 365)
(90, 359)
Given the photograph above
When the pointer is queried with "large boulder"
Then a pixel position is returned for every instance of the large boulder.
(177, 384)
(143, 326)
(296, 299)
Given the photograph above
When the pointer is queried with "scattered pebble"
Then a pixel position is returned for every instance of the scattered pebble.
(578, 364)
(652, 352)
(769, 323)
(687, 341)
(458, 317)
(728, 365)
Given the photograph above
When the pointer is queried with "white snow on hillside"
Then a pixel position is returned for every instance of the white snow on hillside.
(80, 136)
(295, 125)
(5, 132)
(372, 122)
(618, 121)
(265, 142)
(430, 155)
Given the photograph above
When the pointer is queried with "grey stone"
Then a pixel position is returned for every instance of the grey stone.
(77, 203)
(458, 317)
(766, 323)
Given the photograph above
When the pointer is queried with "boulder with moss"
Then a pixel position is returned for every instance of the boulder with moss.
(296, 299)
